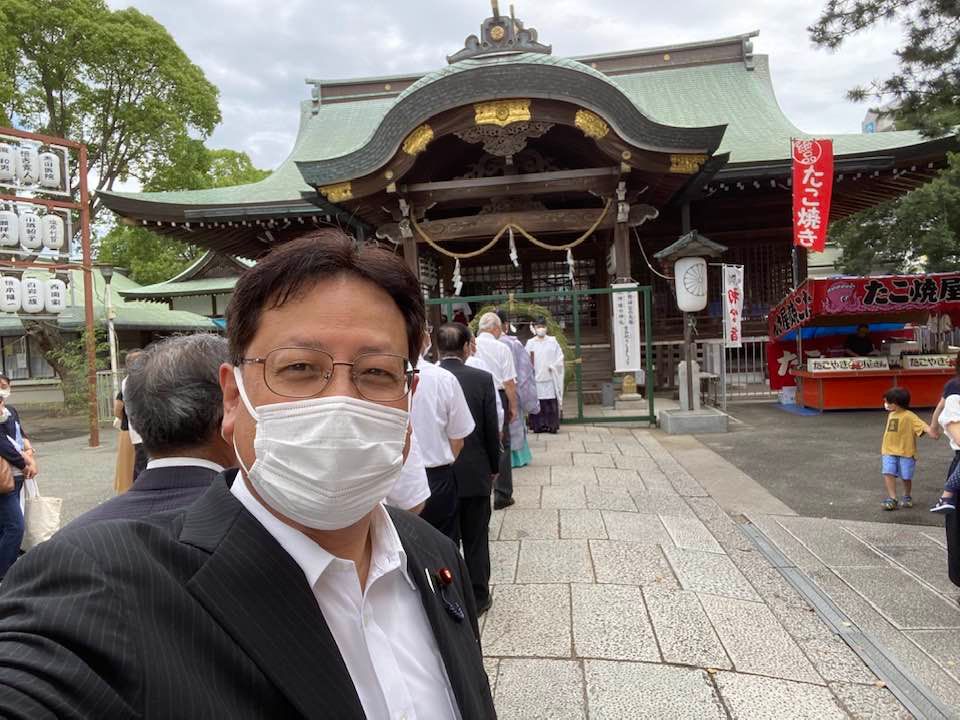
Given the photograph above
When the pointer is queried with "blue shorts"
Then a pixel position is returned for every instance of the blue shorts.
(898, 466)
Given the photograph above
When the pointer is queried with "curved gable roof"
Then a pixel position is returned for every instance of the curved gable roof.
(523, 75)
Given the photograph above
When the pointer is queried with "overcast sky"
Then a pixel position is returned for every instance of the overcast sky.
(258, 52)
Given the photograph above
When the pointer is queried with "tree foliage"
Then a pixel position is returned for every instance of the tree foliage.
(114, 80)
(925, 89)
(919, 232)
(151, 257)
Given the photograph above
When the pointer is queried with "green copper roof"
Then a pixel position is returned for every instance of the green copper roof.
(184, 288)
(757, 129)
(129, 315)
(723, 93)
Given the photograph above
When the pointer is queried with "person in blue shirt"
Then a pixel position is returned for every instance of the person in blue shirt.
(16, 450)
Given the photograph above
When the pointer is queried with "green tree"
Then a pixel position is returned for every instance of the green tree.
(114, 80)
(919, 232)
(151, 257)
(925, 88)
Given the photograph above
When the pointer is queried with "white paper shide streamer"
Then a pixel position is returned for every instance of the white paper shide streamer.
(513, 250)
(457, 280)
(570, 265)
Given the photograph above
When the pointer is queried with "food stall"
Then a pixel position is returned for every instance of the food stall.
(910, 320)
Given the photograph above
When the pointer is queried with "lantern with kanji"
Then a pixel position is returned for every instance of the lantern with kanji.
(28, 165)
(56, 296)
(52, 231)
(50, 170)
(33, 295)
(10, 297)
(31, 233)
(686, 261)
(9, 229)
(8, 163)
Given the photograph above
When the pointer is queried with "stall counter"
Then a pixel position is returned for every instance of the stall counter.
(864, 389)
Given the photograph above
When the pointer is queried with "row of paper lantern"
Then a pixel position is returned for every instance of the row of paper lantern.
(33, 295)
(30, 230)
(27, 166)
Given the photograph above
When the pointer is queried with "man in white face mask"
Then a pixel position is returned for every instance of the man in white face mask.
(288, 589)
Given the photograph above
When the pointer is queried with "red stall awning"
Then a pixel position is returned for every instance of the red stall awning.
(887, 298)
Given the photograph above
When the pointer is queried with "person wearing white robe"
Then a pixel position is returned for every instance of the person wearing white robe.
(548, 363)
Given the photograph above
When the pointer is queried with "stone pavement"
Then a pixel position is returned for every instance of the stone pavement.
(890, 581)
(623, 590)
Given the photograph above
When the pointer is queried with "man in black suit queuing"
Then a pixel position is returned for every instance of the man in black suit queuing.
(476, 467)
(173, 394)
(287, 590)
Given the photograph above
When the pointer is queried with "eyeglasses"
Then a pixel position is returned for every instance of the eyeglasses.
(297, 372)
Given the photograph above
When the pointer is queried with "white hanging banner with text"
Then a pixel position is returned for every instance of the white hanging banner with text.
(626, 328)
(732, 305)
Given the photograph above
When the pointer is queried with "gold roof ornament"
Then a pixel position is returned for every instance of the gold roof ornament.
(418, 140)
(337, 193)
(686, 164)
(502, 112)
(591, 124)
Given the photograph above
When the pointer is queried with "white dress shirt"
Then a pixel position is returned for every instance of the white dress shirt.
(168, 462)
(498, 359)
(383, 632)
(474, 361)
(412, 487)
(439, 414)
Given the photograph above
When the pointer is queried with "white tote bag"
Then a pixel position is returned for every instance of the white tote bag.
(41, 515)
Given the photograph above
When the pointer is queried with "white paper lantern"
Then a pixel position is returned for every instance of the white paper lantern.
(10, 297)
(8, 162)
(31, 233)
(690, 279)
(9, 228)
(33, 295)
(52, 231)
(56, 296)
(28, 165)
(50, 170)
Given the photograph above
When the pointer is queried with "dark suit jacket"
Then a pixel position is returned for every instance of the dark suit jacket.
(156, 490)
(199, 613)
(480, 457)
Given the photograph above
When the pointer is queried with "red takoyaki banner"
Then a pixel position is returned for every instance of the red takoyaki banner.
(812, 188)
(835, 301)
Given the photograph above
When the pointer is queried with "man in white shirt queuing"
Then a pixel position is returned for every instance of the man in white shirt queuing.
(287, 590)
(498, 361)
(441, 419)
(548, 363)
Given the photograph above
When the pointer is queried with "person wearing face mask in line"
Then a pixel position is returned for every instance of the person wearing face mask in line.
(18, 453)
(527, 402)
(440, 419)
(548, 364)
(287, 589)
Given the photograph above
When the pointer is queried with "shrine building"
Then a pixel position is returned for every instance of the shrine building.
(492, 172)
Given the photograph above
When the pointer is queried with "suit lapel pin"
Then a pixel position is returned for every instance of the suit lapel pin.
(444, 581)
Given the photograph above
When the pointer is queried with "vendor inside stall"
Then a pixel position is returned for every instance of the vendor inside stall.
(860, 343)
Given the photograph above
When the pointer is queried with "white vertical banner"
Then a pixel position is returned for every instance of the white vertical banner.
(626, 328)
(732, 305)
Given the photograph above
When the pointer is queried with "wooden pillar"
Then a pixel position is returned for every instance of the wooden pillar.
(411, 256)
(621, 252)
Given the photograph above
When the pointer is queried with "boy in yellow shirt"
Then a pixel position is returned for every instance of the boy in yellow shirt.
(899, 449)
